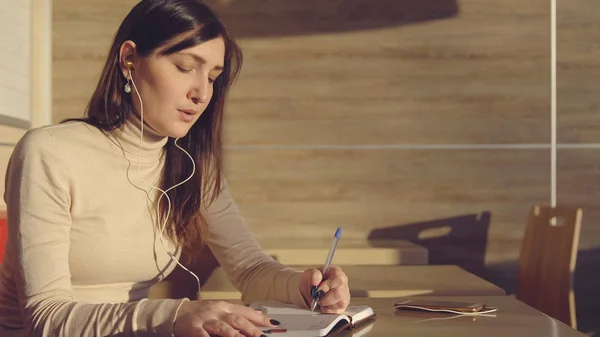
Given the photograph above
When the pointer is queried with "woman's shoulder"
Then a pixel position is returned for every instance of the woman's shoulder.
(68, 134)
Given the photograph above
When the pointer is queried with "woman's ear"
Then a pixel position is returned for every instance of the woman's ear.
(127, 57)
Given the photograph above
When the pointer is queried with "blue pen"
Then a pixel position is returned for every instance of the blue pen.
(336, 238)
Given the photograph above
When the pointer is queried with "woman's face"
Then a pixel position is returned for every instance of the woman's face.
(175, 89)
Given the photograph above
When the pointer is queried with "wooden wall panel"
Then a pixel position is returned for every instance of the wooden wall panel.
(478, 77)
(392, 192)
(578, 70)
(83, 32)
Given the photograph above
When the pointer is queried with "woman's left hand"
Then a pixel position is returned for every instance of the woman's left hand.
(335, 291)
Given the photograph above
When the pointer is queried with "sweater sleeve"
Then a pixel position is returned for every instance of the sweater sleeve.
(251, 270)
(38, 200)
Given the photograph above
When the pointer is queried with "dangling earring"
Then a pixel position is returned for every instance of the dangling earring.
(127, 87)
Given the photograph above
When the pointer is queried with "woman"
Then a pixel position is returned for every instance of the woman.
(99, 209)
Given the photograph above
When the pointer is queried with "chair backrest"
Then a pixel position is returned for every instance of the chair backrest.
(547, 261)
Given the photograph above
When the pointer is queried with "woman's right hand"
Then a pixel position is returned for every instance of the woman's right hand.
(206, 318)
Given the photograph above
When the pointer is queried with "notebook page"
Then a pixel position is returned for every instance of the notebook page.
(307, 325)
(359, 312)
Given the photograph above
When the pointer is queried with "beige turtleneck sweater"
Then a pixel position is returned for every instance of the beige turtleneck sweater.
(83, 250)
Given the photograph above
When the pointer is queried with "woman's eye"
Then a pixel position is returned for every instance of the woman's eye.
(183, 70)
(211, 80)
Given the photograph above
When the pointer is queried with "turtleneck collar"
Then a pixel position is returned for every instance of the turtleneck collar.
(128, 136)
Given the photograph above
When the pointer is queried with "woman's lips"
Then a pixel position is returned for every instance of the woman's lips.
(187, 115)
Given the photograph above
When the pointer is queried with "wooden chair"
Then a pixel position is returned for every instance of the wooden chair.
(547, 261)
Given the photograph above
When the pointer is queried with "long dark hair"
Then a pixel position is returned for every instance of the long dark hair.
(150, 24)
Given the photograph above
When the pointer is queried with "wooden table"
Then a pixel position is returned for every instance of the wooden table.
(513, 318)
(384, 281)
(349, 252)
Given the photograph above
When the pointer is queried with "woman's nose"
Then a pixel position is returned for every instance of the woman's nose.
(200, 93)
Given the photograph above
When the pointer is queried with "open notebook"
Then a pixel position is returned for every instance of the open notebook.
(304, 323)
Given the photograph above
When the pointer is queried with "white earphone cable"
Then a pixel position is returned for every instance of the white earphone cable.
(163, 193)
